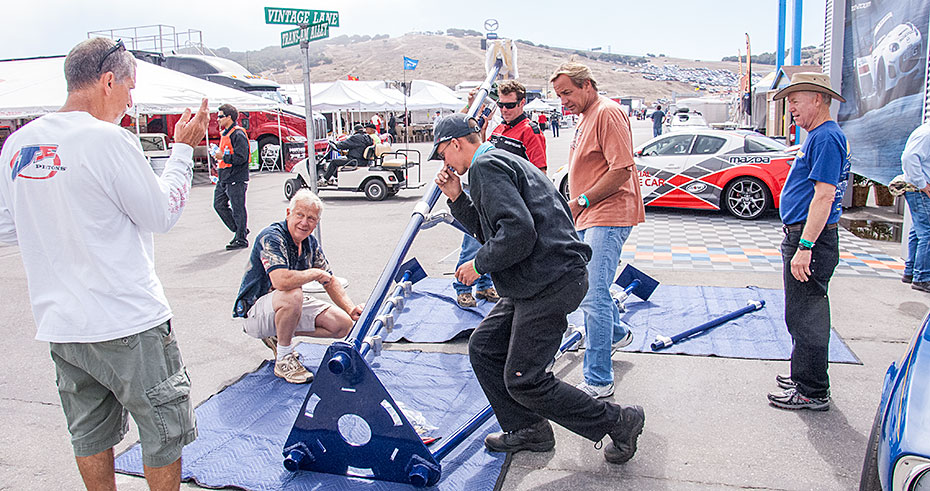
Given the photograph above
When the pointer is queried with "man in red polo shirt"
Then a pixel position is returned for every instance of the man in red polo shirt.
(518, 134)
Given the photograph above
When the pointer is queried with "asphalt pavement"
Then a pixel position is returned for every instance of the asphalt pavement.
(708, 424)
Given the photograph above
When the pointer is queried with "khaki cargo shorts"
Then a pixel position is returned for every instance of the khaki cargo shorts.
(142, 375)
(260, 320)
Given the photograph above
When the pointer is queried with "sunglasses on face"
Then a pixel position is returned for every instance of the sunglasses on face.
(117, 47)
(508, 105)
(220, 116)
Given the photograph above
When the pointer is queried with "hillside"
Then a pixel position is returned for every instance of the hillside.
(452, 59)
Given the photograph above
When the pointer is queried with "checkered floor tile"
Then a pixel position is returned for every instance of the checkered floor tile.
(681, 239)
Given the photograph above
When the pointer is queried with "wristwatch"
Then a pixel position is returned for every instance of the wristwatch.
(583, 201)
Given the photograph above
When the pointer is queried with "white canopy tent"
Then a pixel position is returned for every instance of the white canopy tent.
(537, 105)
(434, 97)
(30, 88)
(374, 96)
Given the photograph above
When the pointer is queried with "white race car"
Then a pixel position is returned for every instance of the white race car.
(895, 54)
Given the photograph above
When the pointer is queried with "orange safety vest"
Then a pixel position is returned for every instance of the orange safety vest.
(226, 143)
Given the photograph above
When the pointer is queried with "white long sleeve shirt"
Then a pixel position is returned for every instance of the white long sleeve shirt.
(82, 202)
(915, 160)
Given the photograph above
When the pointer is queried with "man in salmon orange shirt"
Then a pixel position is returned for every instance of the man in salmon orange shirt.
(606, 204)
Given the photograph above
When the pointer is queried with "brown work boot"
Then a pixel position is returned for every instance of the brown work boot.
(466, 300)
(272, 342)
(489, 295)
(289, 368)
(536, 438)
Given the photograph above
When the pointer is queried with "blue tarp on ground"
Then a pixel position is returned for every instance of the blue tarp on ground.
(432, 316)
(242, 429)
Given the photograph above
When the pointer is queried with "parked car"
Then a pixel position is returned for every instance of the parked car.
(895, 54)
(685, 120)
(898, 454)
(740, 171)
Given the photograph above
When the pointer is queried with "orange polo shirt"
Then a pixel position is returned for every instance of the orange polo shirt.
(603, 141)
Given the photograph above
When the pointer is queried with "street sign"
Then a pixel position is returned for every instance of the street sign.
(312, 33)
(301, 16)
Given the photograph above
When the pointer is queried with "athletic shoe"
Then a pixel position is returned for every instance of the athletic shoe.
(624, 434)
(489, 295)
(785, 382)
(321, 183)
(466, 300)
(597, 392)
(289, 368)
(792, 399)
(536, 438)
(908, 278)
(923, 286)
(625, 341)
(272, 342)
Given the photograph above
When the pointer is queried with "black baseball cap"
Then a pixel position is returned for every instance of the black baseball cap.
(370, 125)
(455, 125)
(358, 128)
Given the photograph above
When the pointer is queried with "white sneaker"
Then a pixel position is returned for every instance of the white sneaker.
(625, 341)
(597, 392)
(289, 368)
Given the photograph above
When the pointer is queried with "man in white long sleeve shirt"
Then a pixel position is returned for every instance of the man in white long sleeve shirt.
(82, 203)
(915, 161)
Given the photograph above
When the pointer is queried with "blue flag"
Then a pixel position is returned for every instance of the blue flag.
(410, 63)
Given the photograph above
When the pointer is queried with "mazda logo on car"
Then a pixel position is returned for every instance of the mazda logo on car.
(746, 159)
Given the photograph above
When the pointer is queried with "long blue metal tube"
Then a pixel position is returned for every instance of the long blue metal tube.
(754, 305)
(464, 431)
(796, 32)
(782, 27)
(423, 207)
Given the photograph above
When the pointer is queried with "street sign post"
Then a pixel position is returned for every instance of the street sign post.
(314, 25)
(275, 15)
(311, 33)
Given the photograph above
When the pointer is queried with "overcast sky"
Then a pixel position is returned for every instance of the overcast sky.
(706, 30)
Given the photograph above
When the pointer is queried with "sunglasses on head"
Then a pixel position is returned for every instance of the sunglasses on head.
(508, 105)
(117, 47)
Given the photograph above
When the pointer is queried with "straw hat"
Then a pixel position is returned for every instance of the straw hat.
(811, 82)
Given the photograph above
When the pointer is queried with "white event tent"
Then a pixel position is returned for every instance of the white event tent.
(374, 96)
(33, 87)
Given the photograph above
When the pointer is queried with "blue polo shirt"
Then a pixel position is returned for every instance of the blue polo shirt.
(274, 248)
(824, 157)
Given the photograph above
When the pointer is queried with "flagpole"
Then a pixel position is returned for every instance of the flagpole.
(406, 117)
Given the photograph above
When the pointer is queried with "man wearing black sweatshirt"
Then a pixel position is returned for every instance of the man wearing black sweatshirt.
(232, 165)
(531, 250)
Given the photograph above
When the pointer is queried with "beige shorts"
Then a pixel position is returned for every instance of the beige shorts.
(260, 320)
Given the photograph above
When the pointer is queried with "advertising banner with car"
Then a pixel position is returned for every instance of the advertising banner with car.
(884, 70)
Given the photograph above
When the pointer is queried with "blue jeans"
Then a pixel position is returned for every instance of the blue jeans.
(601, 316)
(656, 130)
(470, 248)
(918, 241)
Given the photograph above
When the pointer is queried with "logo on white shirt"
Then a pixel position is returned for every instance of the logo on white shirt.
(36, 162)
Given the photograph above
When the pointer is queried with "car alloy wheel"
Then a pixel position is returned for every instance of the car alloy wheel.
(746, 198)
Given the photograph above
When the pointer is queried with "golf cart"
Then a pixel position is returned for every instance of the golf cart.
(388, 173)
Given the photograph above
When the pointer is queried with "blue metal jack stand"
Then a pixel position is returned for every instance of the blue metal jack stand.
(349, 424)
(633, 281)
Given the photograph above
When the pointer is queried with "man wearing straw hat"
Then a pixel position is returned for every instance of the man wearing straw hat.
(810, 209)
